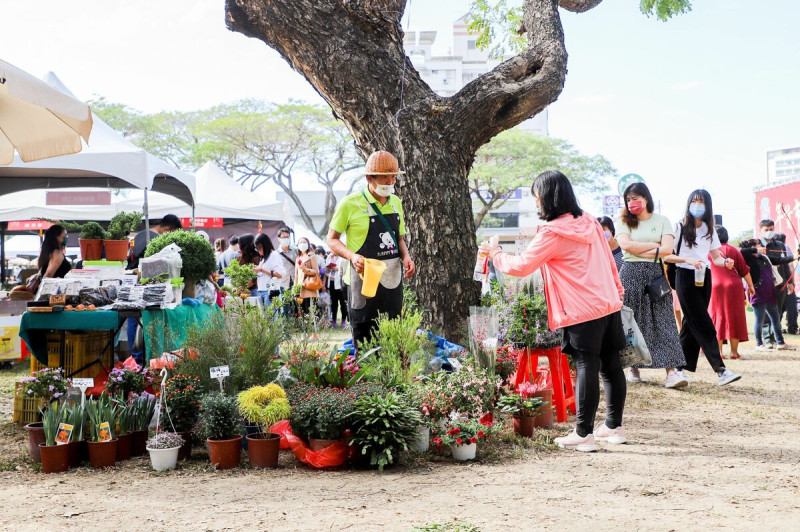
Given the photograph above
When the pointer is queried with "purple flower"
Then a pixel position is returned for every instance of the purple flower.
(51, 387)
(30, 392)
(56, 395)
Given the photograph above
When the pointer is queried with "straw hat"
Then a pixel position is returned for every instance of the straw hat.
(382, 163)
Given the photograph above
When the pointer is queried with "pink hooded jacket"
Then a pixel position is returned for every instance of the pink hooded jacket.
(580, 277)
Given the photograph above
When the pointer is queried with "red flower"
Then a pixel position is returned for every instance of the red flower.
(481, 434)
(473, 439)
(459, 441)
(437, 440)
(454, 431)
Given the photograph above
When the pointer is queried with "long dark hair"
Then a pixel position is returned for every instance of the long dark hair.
(556, 195)
(640, 189)
(248, 253)
(49, 244)
(266, 243)
(689, 230)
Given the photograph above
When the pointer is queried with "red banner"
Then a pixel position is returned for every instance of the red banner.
(28, 225)
(101, 197)
(781, 204)
(203, 223)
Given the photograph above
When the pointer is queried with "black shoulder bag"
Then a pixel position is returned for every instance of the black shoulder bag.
(658, 288)
(384, 221)
(672, 268)
(290, 261)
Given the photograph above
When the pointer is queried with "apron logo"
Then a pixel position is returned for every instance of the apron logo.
(386, 240)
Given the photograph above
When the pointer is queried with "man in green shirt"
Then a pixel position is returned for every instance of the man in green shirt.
(372, 221)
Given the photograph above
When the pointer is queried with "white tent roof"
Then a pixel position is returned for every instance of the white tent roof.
(110, 161)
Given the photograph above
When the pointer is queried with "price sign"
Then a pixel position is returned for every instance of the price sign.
(83, 383)
(220, 371)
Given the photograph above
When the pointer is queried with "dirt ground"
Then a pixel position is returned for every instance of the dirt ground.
(705, 457)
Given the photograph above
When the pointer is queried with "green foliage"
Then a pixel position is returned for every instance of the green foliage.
(196, 253)
(470, 391)
(79, 421)
(239, 276)
(142, 410)
(314, 366)
(264, 405)
(665, 9)
(88, 230)
(321, 412)
(383, 426)
(122, 224)
(463, 432)
(522, 315)
(47, 383)
(219, 419)
(52, 416)
(99, 411)
(516, 404)
(449, 526)
(182, 398)
(123, 416)
(403, 353)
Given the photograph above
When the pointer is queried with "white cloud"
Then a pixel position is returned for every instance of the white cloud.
(687, 86)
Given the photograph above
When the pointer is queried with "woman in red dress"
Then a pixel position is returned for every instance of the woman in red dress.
(727, 306)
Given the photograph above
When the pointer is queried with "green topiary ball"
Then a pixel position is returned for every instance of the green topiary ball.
(196, 252)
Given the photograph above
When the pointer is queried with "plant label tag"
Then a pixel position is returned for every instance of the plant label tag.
(136, 293)
(64, 434)
(220, 371)
(105, 432)
(83, 384)
(455, 363)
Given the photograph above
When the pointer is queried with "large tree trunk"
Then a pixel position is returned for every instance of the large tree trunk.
(351, 51)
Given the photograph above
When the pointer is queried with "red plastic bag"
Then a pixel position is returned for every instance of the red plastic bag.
(282, 428)
(331, 456)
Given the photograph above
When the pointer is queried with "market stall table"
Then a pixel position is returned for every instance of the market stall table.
(165, 329)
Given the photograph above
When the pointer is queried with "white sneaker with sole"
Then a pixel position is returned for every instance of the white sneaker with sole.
(675, 380)
(576, 443)
(633, 375)
(726, 376)
(617, 435)
(763, 348)
(684, 375)
(781, 347)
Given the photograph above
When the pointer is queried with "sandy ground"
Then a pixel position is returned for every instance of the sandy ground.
(705, 457)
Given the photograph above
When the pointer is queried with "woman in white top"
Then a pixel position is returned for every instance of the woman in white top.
(270, 270)
(695, 239)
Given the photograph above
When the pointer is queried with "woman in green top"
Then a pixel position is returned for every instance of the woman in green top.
(642, 233)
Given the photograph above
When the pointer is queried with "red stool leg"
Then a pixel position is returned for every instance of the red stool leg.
(553, 358)
(569, 397)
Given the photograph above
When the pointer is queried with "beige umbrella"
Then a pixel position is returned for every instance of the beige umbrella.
(37, 120)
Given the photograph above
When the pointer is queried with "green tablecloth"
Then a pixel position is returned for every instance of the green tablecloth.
(35, 326)
(165, 329)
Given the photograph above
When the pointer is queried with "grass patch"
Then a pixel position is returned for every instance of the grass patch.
(449, 526)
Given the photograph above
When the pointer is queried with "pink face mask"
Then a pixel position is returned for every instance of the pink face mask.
(636, 207)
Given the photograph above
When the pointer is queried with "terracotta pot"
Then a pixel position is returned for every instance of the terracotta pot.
(138, 442)
(544, 417)
(186, 448)
(123, 447)
(523, 425)
(249, 430)
(91, 248)
(103, 453)
(317, 445)
(78, 453)
(263, 448)
(116, 249)
(55, 458)
(225, 454)
(35, 437)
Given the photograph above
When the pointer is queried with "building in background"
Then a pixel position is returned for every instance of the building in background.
(783, 164)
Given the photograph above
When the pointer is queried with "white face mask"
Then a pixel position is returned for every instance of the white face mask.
(302, 246)
(284, 242)
(384, 190)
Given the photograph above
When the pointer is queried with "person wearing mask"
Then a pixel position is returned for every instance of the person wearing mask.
(780, 256)
(642, 235)
(307, 266)
(727, 297)
(373, 222)
(269, 270)
(610, 231)
(333, 282)
(52, 260)
(584, 296)
(220, 245)
(248, 254)
(698, 241)
(168, 223)
(764, 299)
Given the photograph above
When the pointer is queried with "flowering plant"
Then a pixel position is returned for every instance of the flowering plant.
(165, 440)
(469, 391)
(464, 432)
(47, 383)
(522, 316)
(321, 412)
(126, 381)
(183, 393)
(506, 363)
(313, 366)
(523, 403)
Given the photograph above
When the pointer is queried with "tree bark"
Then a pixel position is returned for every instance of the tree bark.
(351, 51)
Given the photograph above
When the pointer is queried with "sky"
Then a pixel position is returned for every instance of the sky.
(691, 103)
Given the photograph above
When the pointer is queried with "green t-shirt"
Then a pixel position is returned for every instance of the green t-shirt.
(351, 219)
(650, 230)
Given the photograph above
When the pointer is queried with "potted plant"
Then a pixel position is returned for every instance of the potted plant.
(103, 444)
(47, 384)
(196, 253)
(462, 436)
(55, 456)
(121, 427)
(425, 401)
(163, 448)
(220, 424)
(90, 240)
(263, 406)
(183, 394)
(523, 407)
(142, 410)
(116, 242)
(383, 426)
(78, 450)
(124, 381)
(239, 276)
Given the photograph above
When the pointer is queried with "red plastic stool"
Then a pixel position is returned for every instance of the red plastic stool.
(563, 392)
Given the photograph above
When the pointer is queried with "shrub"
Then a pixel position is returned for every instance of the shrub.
(196, 253)
(47, 383)
(383, 426)
(403, 353)
(470, 391)
(122, 224)
(183, 394)
(219, 419)
(124, 381)
(322, 412)
(264, 405)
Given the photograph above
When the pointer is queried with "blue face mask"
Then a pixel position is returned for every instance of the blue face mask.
(697, 210)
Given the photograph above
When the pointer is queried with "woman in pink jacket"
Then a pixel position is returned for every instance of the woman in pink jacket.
(584, 297)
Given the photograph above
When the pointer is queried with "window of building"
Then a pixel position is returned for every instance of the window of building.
(501, 220)
(471, 44)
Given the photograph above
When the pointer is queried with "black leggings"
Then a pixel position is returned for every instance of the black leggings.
(697, 329)
(594, 346)
(338, 301)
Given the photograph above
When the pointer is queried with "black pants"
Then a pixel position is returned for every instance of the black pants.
(791, 312)
(595, 346)
(338, 301)
(697, 329)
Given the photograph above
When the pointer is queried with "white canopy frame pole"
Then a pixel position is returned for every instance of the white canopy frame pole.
(146, 210)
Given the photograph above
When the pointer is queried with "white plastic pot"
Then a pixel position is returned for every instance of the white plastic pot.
(164, 459)
(464, 451)
(423, 440)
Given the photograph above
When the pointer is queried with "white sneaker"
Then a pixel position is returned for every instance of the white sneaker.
(726, 376)
(633, 375)
(763, 347)
(781, 347)
(576, 443)
(675, 380)
(683, 375)
(617, 435)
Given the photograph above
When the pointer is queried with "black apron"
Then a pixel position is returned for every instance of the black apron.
(389, 296)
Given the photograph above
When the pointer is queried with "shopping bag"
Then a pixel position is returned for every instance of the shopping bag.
(635, 351)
